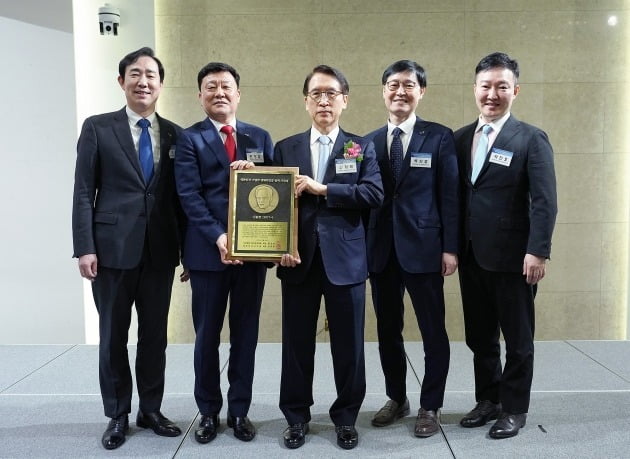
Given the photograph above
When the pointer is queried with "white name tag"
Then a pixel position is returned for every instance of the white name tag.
(501, 157)
(345, 166)
(255, 156)
(421, 160)
(171, 153)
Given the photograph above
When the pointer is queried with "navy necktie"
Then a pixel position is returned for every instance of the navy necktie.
(396, 154)
(145, 150)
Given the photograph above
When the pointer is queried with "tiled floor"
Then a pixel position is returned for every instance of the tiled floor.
(50, 407)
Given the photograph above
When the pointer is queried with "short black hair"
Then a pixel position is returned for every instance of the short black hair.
(497, 60)
(134, 56)
(327, 70)
(406, 66)
(216, 67)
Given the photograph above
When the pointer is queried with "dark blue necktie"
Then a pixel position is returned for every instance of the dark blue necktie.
(145, 150)
(396, 154)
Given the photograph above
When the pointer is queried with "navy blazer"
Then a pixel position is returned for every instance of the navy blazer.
(335, 221)
(420, 213)
(511, 209)
(202, 175)
(113, 209)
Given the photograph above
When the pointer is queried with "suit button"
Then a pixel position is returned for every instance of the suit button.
(149, 194)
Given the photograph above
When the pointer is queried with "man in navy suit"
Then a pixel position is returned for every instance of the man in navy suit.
(412, 243)
(339, 179)
(126, 227)
(202, 171)
(508, 210)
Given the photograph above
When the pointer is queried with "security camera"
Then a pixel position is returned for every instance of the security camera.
(109, 19)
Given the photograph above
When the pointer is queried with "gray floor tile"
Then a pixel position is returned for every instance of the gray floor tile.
(18, 361)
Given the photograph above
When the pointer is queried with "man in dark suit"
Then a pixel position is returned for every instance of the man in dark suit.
(205, 153)
(412, 243)
(508, 210)
(334, 186)
(126, 224)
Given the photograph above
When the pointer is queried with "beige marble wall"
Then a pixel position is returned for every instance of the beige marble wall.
(574, 79)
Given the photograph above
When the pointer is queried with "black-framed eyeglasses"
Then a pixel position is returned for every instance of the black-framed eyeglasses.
(317, 96)
(407, 86)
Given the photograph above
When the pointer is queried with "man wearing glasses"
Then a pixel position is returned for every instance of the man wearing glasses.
(338, 181)
(205, 153)
(412, 243)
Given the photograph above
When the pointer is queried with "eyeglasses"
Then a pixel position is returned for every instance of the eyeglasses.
(318, 95)
(407, 86)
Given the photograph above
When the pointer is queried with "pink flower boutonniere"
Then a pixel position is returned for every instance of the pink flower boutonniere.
(352, 150)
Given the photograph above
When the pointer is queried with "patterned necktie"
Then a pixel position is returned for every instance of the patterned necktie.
(145, 150)
(230, 144)
(396, 154)
(324, 153)
(480, 152)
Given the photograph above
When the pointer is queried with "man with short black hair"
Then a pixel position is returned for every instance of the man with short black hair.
(206, 151)
(412, 243)
(126, 227)
(338, 181)
(508, 212)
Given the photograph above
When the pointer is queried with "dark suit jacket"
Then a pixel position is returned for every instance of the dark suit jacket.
(510, 210)
(202, 174)
(335, 219)
(420, 213)
(113, 210)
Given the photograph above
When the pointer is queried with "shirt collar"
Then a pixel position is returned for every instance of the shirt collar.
(219, 125)
(134, 117)
(315, 135)
(496, 125)
(406, 126)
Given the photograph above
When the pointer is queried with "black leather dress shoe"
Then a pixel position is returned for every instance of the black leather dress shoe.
(483, 412)
(295, 435)
(244, 430)
(207, 431)
(507, 425)
(158, 423)
(114, 436)
(347, 436)
(390, 412)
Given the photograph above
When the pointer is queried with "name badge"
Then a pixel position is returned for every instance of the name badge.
(345, 166)
(421, 160)
(501, 157)
(171, 153)
(255, 156)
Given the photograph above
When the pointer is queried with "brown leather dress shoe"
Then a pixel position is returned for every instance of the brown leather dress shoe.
(157, 422)
(207, 431)
(244, 430)
(484, 411)
(295, 435)
(390, 412)
(347, 436)
(507, 425)
(114, 435)
(427, 423)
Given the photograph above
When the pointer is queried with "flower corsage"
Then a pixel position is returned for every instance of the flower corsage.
(352, 150)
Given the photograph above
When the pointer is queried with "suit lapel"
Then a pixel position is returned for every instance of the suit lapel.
(212, 138)
(418, 137)
(382, 156)
(123, 134)
(302, 150)
(336, 152)
(508, 131)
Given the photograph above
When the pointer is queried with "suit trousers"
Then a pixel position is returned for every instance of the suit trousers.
(244, 285)
(426, 291)
(345, 310)
(115, 291)
(497, 302)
